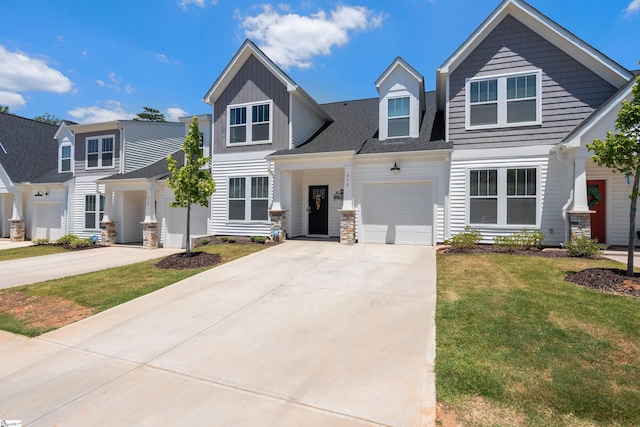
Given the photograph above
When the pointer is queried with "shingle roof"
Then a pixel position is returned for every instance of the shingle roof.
(31, 150)
(355, 128)
(53, 177)
(158, 170)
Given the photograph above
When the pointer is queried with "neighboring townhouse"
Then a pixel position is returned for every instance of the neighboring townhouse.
(500, 145)
(27, 151)
(77, 193)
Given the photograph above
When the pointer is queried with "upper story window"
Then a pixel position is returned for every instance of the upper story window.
(249, 124)
(398, 117)
(100, 152)
(65, 158)
(512, 100)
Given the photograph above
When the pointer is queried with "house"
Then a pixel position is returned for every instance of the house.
(27, 151)
(500, 145)
(85, 192)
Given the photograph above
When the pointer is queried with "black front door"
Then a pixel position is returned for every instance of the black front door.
(319, 209)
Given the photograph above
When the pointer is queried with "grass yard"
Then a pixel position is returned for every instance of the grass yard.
(519, 346)
(34, 309)
(30, 251)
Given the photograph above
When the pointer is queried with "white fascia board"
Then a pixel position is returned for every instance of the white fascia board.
(501, 153)
(5, 179)
(403, 155)
(132, 184)
(591, 58)
(201, 118)
(399, 62)
(242, 156)
(94, 127)
(317, 160)
(247, 49)
(60, 130)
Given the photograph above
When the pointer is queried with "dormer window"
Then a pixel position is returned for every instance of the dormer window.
(398, 117)
(100, 152)
(249, 124)
(65, 158)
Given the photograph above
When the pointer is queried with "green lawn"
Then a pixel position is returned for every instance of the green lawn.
(30, 251)
(104, 289)
(517, 345)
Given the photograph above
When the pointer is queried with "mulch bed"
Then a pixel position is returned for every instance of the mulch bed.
(611, 280)
(182, 262)
(484, 249)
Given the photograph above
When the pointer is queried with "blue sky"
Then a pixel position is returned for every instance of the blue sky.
(90, 61)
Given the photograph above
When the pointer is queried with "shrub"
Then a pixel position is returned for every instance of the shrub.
(81, 243)
(584, 247)
(204, 241)
(466, 239)
(231, 239)
(224, 239)
(67, 239)
(38, 242)
(258, 239)
(520, 240)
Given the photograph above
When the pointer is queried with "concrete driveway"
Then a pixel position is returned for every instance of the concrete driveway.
(302, 334)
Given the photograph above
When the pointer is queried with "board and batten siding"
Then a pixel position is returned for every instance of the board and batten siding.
(304, 122)
(570, 91)
(429, 170)
(80, 150)
(253, 83)
(222, 171)
(555, 184)
(148, 142)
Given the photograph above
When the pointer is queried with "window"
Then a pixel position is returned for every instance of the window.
(398, 117)
(100, 152)
(503, 196)
(504, 101)
(65, 158)
(249, 199)
(93, 213)
(249, 124)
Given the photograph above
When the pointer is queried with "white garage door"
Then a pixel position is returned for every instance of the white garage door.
(398, 213)
(176, 224)
(48, 224)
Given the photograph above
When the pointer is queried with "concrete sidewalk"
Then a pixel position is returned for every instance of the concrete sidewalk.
(621, 256)
(25, 271)
(301, 334)
(8, 244)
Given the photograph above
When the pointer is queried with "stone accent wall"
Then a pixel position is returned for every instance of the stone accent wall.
(348, 227)
(108, 233)
(150, 235)
(16, 230)
(278, 221)
(580, 224)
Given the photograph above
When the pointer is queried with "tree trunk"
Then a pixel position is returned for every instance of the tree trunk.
(188, 245)
(632, 225)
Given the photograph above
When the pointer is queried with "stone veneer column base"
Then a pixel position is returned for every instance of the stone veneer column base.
(108, 237)
(580, 224)
(348, 227)
(278, 221)
(150, 235)
(16, 230)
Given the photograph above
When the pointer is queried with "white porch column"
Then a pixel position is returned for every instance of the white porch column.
(17, 214)
(276, 204)
(150, 206)
(16, 223)
(347, 201)
(580, 202)
(150, 223)
(348, 212)
(108, 200)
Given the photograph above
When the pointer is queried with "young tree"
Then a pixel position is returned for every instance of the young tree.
(150, 115)
(620, 152)
(190, 183)
(48, 118)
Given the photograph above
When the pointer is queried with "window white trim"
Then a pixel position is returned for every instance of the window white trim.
(502, 197)
(97, 211)
(63, 145)
(502, 100)
(101, 152)
(407, 116)
(248, 198)
(249, 124)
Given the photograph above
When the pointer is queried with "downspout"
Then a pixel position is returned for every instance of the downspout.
(122, 143)
(565, 208)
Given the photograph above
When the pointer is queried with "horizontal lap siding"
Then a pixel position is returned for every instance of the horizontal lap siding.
(304, 122)
(221, 173)
(77, 205)
(555, 179)
(253, 82)
(570, 92)
(296, 210)
(334, 178)
(147, 143)
(410, 171)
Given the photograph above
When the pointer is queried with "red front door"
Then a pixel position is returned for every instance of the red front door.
(597, 202)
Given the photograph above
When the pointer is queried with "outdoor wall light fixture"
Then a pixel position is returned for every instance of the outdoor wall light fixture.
(40, 193)
(395, 168)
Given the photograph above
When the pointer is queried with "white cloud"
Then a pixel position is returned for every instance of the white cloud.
(13, 100)
(293, 40)
(111, 110)
(19, 72)
(60, 38)
(100, 83)
(200, 3)
(633, 7)
(128, 89)
(113, 78)
(174, 113)
(161, 57)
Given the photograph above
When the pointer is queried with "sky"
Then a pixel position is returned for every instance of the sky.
(97, 60)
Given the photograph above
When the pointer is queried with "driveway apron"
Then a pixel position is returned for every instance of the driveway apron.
(304, 333)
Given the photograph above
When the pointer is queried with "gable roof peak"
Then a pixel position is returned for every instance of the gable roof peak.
(399, 62)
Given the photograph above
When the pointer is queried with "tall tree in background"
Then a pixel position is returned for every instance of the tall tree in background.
(191, 184)
(150, 115)
(5, 109)
(48, 118)
(620, 152)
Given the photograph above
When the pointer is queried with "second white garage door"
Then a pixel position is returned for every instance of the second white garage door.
(397, 213)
